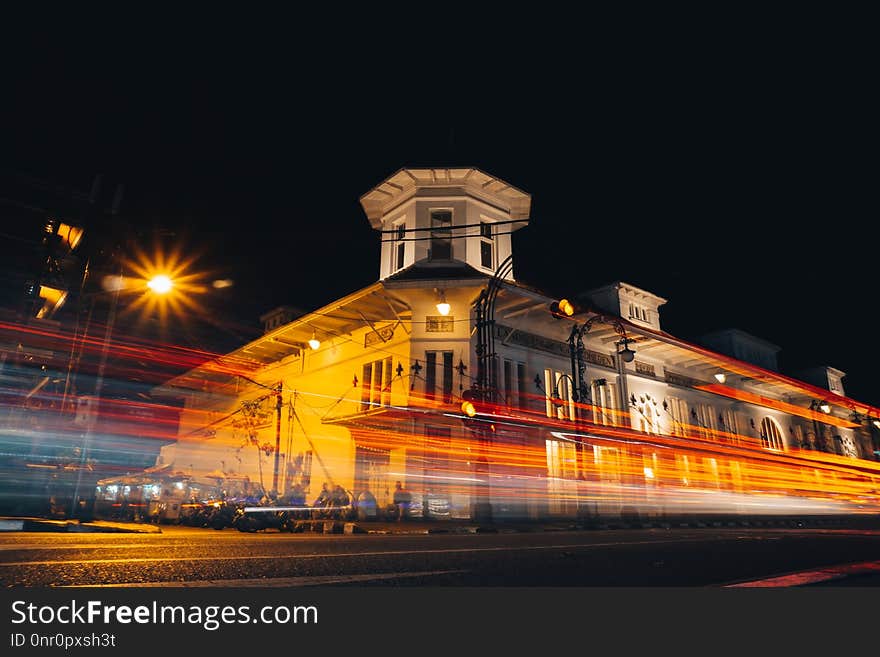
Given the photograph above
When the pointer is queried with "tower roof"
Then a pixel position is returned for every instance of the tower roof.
(406, 183)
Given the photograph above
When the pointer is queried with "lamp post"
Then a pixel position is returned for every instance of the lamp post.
(484, 386)
(577, 352)
(824, 407)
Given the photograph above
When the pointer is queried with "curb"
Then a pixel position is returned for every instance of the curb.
(70, 526)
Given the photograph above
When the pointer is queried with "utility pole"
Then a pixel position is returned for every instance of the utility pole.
(277, 436)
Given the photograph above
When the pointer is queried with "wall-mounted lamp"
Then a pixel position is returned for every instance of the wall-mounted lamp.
(314, 343)
(721, 377)
(443, 306)
(626, 353)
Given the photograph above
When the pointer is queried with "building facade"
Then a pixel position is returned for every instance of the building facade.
(586, 406)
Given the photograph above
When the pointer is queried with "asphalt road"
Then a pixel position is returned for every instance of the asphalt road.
(710, 557)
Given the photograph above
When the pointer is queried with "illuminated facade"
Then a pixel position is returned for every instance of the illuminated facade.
(376, 397)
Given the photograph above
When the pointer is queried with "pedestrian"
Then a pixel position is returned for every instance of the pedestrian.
(366, 505)
(321, 502)
(402, 500)
(339, 501)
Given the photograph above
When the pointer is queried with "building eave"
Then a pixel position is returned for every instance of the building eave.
(373, 303)
(466, 181)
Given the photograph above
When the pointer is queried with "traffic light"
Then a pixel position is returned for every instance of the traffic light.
(470, 408)
(562, 308)
(467, 403)
(61, 237)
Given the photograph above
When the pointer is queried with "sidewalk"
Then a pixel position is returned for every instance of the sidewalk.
(33, 524)
(10, 524)
(440, 526)
(447, 526)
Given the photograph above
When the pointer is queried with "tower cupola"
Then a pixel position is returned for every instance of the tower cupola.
(445, 217)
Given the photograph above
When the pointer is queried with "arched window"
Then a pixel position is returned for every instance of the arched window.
(771, 434)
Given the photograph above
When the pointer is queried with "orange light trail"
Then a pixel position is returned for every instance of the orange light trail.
(760, 400)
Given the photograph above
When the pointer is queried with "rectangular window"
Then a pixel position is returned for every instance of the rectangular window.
(447, 377)
(386, 388)
(609, 463)
(730, 426)
(371, 472)
(638, 312)
(376, 396)
(706, 421)
(514, 383)
(561, 475)
(486, 255)
(678, 415)
(604, 402)
(400, 246)
(487, 246)
(366, 386)
(376, 384)
(521, 383)
(799, 435)
(439, 375)
(560, 398)
(441, 235)
(430, 374)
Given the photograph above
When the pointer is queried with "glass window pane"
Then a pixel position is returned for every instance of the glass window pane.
(486, 254)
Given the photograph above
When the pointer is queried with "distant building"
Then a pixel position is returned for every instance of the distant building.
(376, 397)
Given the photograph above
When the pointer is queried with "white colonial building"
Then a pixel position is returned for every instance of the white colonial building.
(367, 390)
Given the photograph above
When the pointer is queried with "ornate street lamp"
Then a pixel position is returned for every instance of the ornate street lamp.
(562, 309)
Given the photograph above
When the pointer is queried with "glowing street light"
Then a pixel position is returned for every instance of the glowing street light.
(314, 343)
(170, 284)
(160, 284)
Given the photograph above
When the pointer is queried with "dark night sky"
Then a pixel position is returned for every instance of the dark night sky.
(739, 188)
